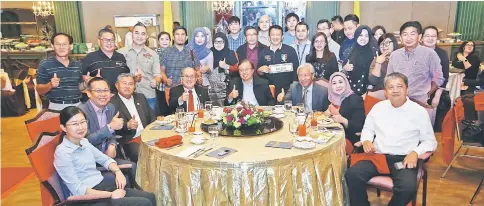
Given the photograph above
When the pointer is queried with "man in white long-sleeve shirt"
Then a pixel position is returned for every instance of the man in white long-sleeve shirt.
(403, 132)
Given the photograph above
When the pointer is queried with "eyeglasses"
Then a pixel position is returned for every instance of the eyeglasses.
(386, 43)
(108, 41)
(61, 45)
(218, 42)
(189, 77)
(469, 44)
(244, 70)
(397, 88)
(304, 75)
(100, 91)
(80, 124)
(320, 42)
(430, 36)
(127, 84)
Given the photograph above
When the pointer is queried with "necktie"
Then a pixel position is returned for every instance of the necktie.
(305, 92)
(191, 106)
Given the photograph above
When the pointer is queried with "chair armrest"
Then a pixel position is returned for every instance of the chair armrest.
(426, 155)
(85, 199)
(123, 166)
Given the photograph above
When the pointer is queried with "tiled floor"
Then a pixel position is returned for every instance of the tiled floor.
(455, 189)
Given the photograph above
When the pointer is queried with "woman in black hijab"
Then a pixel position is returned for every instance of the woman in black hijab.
(223, 58)
(360, 58)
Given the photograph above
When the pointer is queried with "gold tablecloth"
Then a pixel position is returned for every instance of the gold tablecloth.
(255, 175)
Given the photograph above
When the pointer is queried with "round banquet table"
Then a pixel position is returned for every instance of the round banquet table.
(255, 175)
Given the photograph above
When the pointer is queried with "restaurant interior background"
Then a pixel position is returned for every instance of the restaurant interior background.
(26, 31)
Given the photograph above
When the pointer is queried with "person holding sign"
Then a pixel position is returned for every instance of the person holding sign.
(249, 87)
(279, 62)
(313, 96)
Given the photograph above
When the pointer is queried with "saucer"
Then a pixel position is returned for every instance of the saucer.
(304, 145)
(197, 140)
(325, 121)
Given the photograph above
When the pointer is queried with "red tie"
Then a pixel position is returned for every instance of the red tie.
(191, 106)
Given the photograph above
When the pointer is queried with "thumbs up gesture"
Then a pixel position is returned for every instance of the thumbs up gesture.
(98, 73)
(133, 123)
(55, 81)
(137, 75)
(169, 81)
(117, 122)
(234, 94)
(348, 67)
(222, 64)
(184, 96)
(281, 95)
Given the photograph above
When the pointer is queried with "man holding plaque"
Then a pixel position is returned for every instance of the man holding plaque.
(279, 62)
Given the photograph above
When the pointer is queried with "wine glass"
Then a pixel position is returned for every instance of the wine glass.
(288, 105)
(293, 125)
(208, 107)
(213, 131)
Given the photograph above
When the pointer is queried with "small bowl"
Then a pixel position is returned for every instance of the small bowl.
(196, 140)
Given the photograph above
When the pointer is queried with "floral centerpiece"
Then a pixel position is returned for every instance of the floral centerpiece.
(241, 115)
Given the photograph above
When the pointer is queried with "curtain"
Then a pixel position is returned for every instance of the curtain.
(197, 14)
(470, 20)
(317, 10)
(68, 19)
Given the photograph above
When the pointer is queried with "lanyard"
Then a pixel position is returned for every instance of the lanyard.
(299, 56)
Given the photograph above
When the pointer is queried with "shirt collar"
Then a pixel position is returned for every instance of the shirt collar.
(251, 83)
(310, 88)
(124, 99)
(256, 46)
(71, 145)
(130, 47)
(97, 109)
(307, 42)
(275, 49)
(185, 89)
(412, 52)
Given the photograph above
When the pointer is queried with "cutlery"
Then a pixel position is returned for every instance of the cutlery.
(196, 152)
(202, 152)
(178, 145)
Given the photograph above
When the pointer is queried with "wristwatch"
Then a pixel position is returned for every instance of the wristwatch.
(466, 60)
(116, 170)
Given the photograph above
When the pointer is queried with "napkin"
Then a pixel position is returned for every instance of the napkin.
(169, 141)
(379, 160)
(188, 151)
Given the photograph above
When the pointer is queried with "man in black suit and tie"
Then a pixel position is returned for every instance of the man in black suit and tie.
(313, 96)
(135, 111)
(249, 87)
(187, 94)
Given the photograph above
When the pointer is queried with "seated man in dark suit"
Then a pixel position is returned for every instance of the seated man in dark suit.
(313, 96)
(187, 94)
(103, 120)
(249, 87)
(135, 111)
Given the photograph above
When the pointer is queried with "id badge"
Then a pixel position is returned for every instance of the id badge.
(281, 68)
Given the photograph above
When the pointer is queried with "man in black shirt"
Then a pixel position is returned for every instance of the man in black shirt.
(279, 62)
(338, 34)
(109, 62)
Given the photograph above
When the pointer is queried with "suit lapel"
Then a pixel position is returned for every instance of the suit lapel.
(93, 116)
(315, 103)
(140, 109)
(298, 94)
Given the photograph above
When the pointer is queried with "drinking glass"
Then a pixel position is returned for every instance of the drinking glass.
(300, 108)
(213, 131)
(182, 125)
(179, 113)
(288, 105)
(293, 125)
(208, 107)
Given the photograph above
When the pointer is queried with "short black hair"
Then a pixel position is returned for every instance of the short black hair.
(247, 60)
(140, 24)
(164, 33)
(275, 27)
(461, 47)
(414, 24)
(302, 23)
(247, 28)
(71, 40)
(176, 23)
(396, 75)
(374, 29)
(233, 19)
(337, 18)
(391, 37)
(322, 21)
(430, 27)
(102, 31)
(179, 27)
(291, 15)
(68, 112)
(352, 17)
(95, 79)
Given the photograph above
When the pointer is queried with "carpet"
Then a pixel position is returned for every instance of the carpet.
(13, 177)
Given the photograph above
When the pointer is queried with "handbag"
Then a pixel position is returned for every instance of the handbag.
(471, 132)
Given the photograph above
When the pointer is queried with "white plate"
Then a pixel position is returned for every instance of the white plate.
(279, 116)
(305, 138)
(198, 133)
(325, 121)
(163, 122)
(197, 140)
(304, 145)
(180, 130)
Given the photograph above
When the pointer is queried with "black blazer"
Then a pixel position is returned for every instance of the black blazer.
(261, 91)
(146, 115)
(177, 91)
(352, 108)
(242, 50)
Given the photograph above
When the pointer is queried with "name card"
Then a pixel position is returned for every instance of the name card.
(280, 68)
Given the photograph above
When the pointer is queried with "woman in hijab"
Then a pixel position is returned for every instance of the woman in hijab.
(199, 45)
(209, 37)
(359, 60)
(346, 107)
(219, 77)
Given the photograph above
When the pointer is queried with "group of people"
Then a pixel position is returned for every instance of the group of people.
(123, 91)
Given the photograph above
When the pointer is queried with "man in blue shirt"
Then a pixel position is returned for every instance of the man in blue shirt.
(235, 37)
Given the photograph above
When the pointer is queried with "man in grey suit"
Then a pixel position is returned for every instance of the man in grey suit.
(313, 96)
(103, 120)
(136, 112)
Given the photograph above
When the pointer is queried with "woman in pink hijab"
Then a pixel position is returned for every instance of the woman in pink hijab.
(351, 112)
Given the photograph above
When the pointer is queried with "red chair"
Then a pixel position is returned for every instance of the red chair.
(369, 102)
(45, 121)
(385, 182)
(41, 156)
(273, 90)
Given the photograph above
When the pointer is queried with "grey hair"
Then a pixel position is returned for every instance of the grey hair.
(396, 75)
(124, 75)
(185, 69)
(304, 66)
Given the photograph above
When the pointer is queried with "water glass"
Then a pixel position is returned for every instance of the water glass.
(288, 105)
(300, 108)
(213, 131)
(293, 124)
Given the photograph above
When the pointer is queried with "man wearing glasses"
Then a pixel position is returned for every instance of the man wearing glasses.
(144, 63)
(58, 77)
(250, 50)
(187, 94)
(106, 60)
